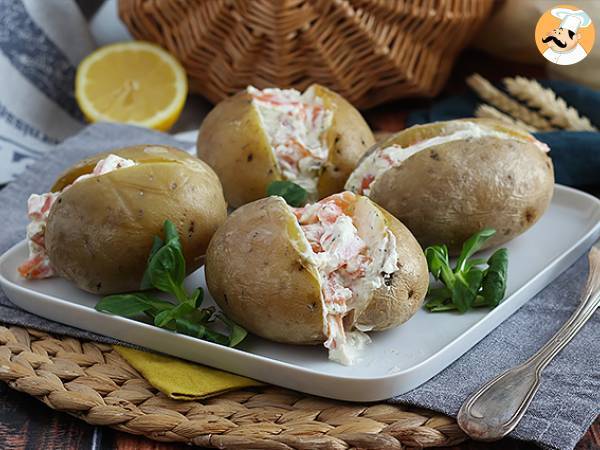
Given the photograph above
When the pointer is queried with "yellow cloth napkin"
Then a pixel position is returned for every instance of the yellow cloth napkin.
(182, 380)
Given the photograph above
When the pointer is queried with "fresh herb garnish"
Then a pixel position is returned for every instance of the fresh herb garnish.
(293, 194)
(166, 271)
(467, 285)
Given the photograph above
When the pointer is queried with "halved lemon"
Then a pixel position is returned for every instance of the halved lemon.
(131, 82)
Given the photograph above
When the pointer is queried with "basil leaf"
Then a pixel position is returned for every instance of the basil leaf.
(472, 246)
(292, 193)
(465, 289)
(156, 245)
(494, 281)
(236, 333)
(130, 305)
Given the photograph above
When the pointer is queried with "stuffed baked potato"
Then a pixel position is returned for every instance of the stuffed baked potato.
(447, 180)
(322, 273)
(97, 225)
(314, 139)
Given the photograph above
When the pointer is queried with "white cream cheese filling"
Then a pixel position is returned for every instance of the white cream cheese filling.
(353, 255)
(38, 208)
(295, 124)
(381, 160)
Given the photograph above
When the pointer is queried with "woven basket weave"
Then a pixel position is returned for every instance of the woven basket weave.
(370, 51)
(92, 382)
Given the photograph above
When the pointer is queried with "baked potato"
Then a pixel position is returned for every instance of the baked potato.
(324, 273)
(97, 226)
(447, 180)
(314, 139)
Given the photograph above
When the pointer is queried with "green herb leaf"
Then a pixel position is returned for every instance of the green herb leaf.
(236, 333)
(166, 264)
(465, 289)
(468, 285)
(494, 281)
(171, 235)
(437, 258)
(130, 305)
(166, 271)
(441, 293)
(190, 328)
(200, 331)
(197, 298)
(204, 315)
(439, 264)
(215, 337)
(443, 307)
(437, 301)
(166, 317)
(473, 263)
(156, 245)
(292, 193)
(472, 246)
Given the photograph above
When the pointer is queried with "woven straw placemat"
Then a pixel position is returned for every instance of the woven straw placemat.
(91, 381)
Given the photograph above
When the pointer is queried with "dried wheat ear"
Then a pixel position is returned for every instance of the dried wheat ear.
(548, 104)
(542, 110)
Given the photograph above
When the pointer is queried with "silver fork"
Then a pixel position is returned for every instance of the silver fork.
(497, 407)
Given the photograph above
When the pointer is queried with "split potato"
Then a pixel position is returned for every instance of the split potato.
(100, 229)
(448, 180)
(256, 137)
(264, 273)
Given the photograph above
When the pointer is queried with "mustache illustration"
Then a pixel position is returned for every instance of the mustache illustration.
(556, 41)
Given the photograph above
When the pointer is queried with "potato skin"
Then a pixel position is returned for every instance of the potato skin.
(100, 230)
(231, 140)
(256, 273)
(393, 305)
(348, 138)
(448, 192)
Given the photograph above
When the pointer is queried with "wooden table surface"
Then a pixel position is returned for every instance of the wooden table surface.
(25, 423)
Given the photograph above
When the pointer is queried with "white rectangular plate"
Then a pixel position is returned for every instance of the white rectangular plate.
(397, 361)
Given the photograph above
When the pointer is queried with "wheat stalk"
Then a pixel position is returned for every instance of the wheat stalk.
(548, 103)
(489, 112)
(503, 102)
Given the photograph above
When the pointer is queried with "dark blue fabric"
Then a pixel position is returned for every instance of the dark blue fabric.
(576, 154)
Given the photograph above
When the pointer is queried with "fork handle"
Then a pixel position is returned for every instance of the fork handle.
(497, 407)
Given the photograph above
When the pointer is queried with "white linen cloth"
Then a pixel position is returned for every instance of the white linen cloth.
(41, 43)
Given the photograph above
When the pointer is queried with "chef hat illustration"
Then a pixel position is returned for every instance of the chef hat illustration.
(571, 20)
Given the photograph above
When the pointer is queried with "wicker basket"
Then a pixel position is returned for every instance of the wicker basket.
(370, 51)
